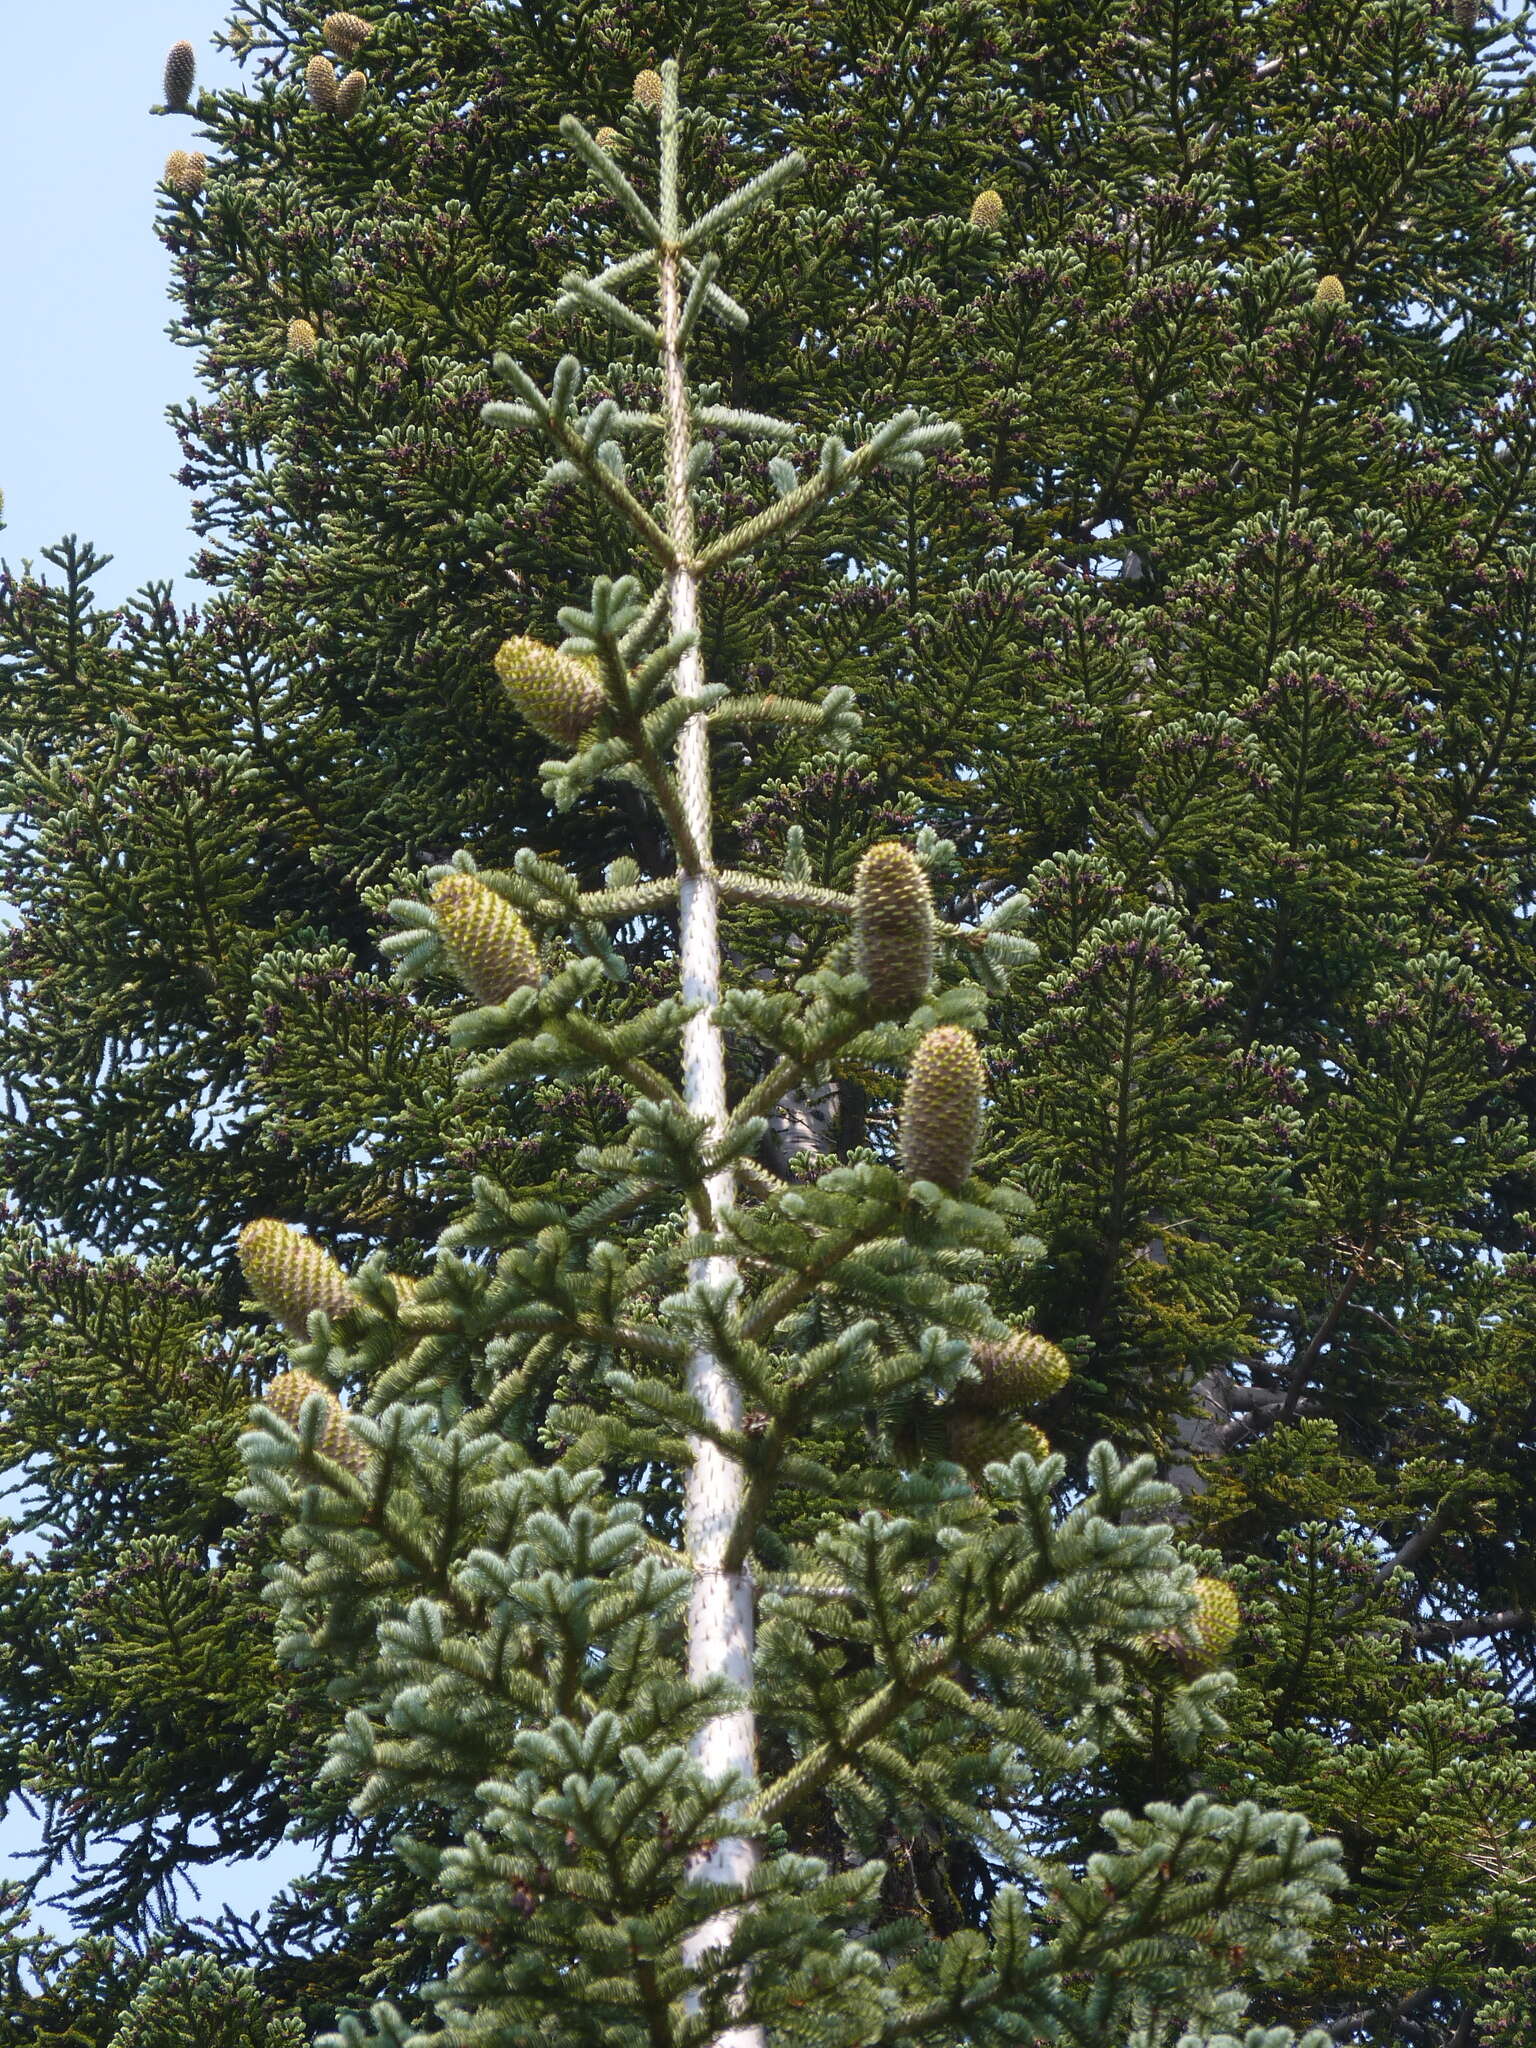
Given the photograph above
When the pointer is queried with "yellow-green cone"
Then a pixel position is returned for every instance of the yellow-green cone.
(893, 927)
(180, 76)
(286, 1397)
(302, 338)
(987, 209)
(608, 138)
(647, 90)
(1019, 1372)
(489, 947)
(977, 1440)
(1329, 295)
(1217, 1617)
(320, 83)
(558, 694)
(291, 1276)
(349, 94)
(346, 33)
(185, 171)
(941, 1110)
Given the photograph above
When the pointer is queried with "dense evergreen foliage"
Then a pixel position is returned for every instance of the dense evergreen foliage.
(1207, 649)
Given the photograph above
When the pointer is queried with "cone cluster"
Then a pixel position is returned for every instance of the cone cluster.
(1019, 1372)
(893, 927)
(286, 1397)
(291, 1276)
(1329, 295)
(559, 695)
(977, 1439)
(489, 947)
(987, 209)
(349, 94)
(302, 338)
(346, 33)
(180, 76)
(647, 90)
(320, 83)
(185, 171)
(941, 1110)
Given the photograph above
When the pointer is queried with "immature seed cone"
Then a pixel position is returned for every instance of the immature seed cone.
(1019, 1372)
(647, 90)
(185, 171)
(987, 209)
(286, 1397)
(489, 947)
(1213, 1628)
(1329, 294)
(180, 76)
(320, 83)
(302, 338)
(1466, 13)
(977, 1440)
(349, 94)
(608, 138)
(291, 1276)
(893, 927)
(346, 33)
(558, 694)
(941, 1110)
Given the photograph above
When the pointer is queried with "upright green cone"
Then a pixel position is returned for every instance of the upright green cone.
(977, 1439)
(291, 1276)
(346, 33)
(185, 172)
(941, 1110)
(489, 947)
(180, 76)
(320, 83)
(286, 1397)
(1217, 1618)
(558, 694)
(1019, 1372)
(893, 927)
(349, 94)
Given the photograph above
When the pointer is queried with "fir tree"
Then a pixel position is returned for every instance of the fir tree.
(575, 1659)
(1210, 643)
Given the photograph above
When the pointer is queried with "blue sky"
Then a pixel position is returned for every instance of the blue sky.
(87, 370)
(86, 367)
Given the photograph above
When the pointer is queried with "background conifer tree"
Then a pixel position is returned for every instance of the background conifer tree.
(1210, 641)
